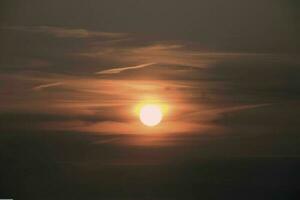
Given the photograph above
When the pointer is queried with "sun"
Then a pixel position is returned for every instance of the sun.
(151, 114)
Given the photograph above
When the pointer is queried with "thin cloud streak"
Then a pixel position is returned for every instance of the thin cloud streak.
(121, 69)
(44, 86)
(63, 32)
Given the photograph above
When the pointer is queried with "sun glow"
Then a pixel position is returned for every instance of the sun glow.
(151, 114)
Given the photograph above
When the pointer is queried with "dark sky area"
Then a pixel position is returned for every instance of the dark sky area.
(72, 72)
(257, 25)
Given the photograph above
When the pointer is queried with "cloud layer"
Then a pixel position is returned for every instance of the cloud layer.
(89, 81)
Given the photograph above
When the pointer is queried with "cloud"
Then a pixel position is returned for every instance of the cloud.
(63, 32)
(166, 53)
(240, 108)
(121, 69)
(41, 87)
(200, 86)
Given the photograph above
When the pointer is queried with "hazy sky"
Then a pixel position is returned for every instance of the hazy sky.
(72, 72)
(257, 25)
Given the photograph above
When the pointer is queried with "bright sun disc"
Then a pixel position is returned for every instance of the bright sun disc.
(150, 115)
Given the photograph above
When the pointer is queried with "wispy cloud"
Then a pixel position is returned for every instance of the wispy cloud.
(44, 86)
(64, 32)
(240, 108)
(121, 69)
(214, 113)
(200, 86)
(167, 53)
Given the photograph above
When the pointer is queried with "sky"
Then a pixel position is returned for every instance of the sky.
(73, 73)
